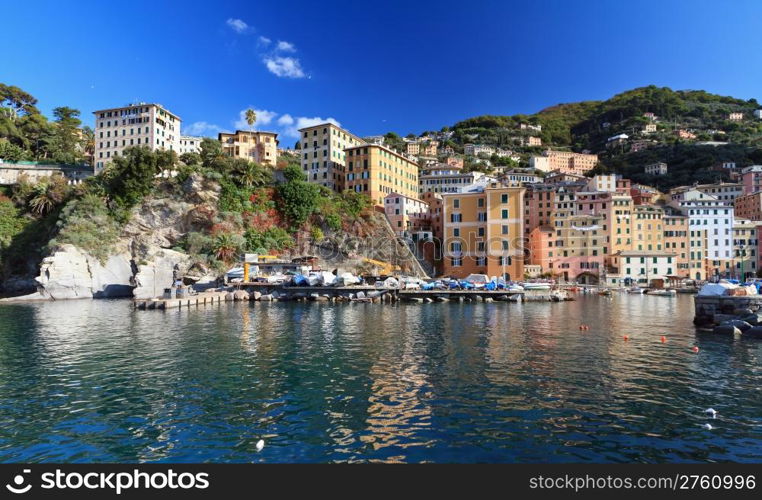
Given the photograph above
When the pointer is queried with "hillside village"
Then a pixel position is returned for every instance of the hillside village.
(651, 186)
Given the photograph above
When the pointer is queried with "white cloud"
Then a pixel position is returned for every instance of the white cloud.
(263, 40)
(285, 120)
(202, 129)
(285, 46)
(292, 129)
(288, 67)
(237, 25)
(264, 117)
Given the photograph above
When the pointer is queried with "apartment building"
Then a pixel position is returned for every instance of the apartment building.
(190, 144)
(442, 178)
(564, 161)
(378, 171)
(413, 148)
(483, 232)
(541, 247)
(745, 249)
(323, 149)
(712, 220)
(676, 241)
(642, 268)
(723, 191)
(649, 128)
(579, 248)
(406, 215)
(647, 228)
(749, 206)
(539, 203)
(751, 178)
(477, 149)
(256, 146)
(659, 168)
(735, 117)
(140, 124)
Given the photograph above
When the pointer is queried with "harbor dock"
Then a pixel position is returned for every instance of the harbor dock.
(267, 292)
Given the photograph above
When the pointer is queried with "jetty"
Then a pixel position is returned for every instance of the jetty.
(269, 292)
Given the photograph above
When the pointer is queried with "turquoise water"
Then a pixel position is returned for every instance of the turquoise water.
(95, 381)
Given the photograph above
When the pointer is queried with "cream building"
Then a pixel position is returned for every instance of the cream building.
(190, 144)
(323, 154)
(140, 124)
(256, 146)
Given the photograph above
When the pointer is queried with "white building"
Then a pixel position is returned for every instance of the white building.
(656, 169)
(758, 114)
(709, 218)
(541, 163)
(477, 149)
(641, 267)
(139, 124)
(189, 144)
(723, 191)
(602, 183)
(447, 179)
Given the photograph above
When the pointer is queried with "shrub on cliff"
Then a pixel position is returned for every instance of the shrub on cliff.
(299, 197)
(87, 224)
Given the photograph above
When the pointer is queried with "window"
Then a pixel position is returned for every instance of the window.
(503, 198)
(504, 214)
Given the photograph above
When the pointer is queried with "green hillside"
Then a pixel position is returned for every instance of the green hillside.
(587, 125)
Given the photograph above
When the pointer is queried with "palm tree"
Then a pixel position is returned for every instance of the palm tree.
(43, 201)
(251, 117)
(225, 247)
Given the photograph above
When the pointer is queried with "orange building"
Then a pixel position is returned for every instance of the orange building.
(483, 232)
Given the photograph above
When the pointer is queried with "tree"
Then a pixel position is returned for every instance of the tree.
(66, 147)
(299, 197)
(294, 173)
(249, 174)
(131, 177)
(10, 152)
(211, 152)
(251, 118)
(226, 247)
(16, 102)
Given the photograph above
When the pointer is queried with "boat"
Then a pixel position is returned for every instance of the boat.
(636, 289)
(604, 291)
(663, 293)
(536, 286)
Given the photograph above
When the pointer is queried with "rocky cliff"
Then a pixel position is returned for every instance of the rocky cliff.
(141, 263)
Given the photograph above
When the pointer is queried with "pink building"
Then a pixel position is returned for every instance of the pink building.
(752, 179)
(538, 206)
(406, 215)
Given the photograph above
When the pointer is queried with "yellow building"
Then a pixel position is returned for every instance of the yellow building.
(377, 171)
(483, 232)
(323, 150)
(260, 147)
(647, 231)
(620, 222)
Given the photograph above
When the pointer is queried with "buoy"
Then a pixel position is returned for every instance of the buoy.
(663, 339)
(711, 412)
(626, 338)
(695, 349)
(260, 444)
(708, 427)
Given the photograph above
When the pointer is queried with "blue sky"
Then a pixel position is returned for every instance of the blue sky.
(406, 66)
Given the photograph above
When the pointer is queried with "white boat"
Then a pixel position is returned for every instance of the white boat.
(636, 289)
(663, 293)
(536, 286)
